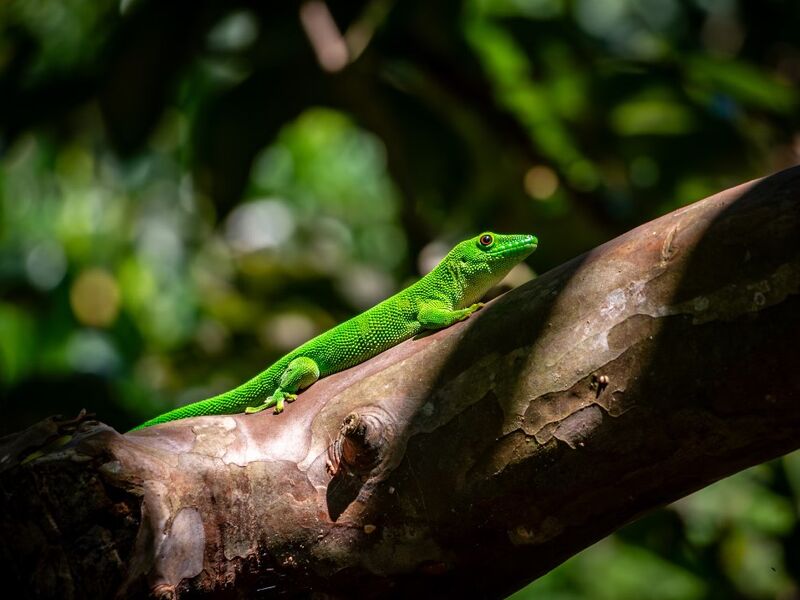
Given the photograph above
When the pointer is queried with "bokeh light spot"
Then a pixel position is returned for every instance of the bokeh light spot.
(94, 298)
(365, 286)
(287, 330)
(235, 32)
(46, 265)
(541, 182)
(259, 224)
(91, 351)
(431, 254)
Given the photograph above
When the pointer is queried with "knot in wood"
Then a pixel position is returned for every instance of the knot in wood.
(163, 591)
(361, 442)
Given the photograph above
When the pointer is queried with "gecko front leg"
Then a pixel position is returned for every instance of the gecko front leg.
(435, 316)
(299, 374)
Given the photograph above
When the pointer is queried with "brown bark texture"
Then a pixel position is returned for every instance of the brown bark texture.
(466, 462)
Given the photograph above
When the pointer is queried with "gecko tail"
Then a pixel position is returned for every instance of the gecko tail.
(218, 405)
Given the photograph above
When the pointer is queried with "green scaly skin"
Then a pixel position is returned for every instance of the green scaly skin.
(446, 295)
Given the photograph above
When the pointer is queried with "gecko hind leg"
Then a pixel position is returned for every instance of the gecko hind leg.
(299, 374)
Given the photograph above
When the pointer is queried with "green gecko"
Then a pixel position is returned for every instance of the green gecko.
(446, 295)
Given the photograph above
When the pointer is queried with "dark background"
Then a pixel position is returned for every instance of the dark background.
(190, 189)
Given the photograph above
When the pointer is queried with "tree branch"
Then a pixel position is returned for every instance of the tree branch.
(469, 461)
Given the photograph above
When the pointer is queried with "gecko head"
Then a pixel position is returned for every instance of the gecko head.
(485, 259)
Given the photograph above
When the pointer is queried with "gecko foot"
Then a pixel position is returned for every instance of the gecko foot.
(277, 399)
(284, 397)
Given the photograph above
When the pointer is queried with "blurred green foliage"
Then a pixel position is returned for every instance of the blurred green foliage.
(189, 189)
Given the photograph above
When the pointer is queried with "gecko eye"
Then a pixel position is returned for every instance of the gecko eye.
(486, 240)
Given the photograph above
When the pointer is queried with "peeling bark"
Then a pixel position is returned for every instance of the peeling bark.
(465, 462)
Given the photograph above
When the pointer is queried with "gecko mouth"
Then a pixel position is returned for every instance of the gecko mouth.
(524, 243)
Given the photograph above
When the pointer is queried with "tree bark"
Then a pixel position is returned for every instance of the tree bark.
(465, 462)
